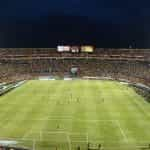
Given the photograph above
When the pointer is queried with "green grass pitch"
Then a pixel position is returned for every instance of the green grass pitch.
(59, 114)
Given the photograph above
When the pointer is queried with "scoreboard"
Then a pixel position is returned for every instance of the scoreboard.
(87, 49)
(76, 49)
(63, 48)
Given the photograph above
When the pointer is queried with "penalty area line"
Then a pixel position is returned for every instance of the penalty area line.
(122, 131)
(71, 119)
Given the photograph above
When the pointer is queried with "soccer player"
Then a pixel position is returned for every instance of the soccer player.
(103, 100)
(99, 146)
(58, 126)
(71, 96)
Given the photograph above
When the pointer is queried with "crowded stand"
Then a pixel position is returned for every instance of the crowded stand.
(22, 64)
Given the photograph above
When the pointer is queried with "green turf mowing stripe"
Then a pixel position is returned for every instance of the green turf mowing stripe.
(67, 114)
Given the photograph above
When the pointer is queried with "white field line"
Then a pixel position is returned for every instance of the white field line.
(26, 135)
(34, 145)
(16, 139)
(60, 117)
(69, 141)
(49, 132)
(74, 141)
(40, 135)
(89, 120)
(87, 138)
(69, 119)
(80, 120)
(77, 133)
(122, 131)
(141, 106)
(57, 116)
(59, 132)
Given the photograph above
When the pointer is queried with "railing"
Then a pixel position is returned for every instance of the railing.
(48, 53)
(106, 57)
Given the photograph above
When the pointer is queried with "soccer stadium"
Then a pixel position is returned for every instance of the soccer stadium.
(74, 98)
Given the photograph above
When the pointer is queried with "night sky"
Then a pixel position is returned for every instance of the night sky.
(48, 23)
